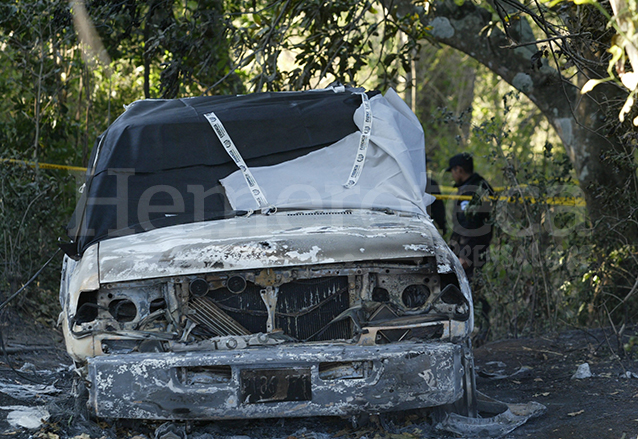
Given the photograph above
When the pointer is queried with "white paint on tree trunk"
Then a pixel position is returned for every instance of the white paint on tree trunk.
(523, 82)
(565, 129)
(441, 28)
(583, 173)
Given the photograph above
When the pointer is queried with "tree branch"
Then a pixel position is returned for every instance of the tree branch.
(546, 40)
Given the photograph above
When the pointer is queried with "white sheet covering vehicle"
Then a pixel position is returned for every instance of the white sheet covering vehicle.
(262, 256)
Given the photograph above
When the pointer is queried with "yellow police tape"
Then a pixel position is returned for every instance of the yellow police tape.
(43, 165)
(560, 201)
(557, 201)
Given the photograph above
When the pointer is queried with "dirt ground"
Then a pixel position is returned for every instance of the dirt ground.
(602, 406)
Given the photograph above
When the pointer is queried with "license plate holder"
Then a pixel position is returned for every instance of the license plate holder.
(275, 385)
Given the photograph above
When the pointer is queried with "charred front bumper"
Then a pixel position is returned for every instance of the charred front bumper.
(288, 381)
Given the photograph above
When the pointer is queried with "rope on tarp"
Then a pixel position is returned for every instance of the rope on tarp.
(233, 152)
(364, 141)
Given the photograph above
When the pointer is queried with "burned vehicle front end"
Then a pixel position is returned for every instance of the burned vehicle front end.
(264, 256)
(314, 319)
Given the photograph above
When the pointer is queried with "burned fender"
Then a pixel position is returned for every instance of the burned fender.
(495, 418)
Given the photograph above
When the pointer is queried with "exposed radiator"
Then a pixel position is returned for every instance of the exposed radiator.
(204, 312)
(304, 310)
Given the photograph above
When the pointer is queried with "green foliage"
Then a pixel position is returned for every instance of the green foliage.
(41, 121)
(612, 285)
(539, 249)
(445, 84)
(544, 270)
(33, 209)
(294, 45)
(622, 48)
(631, 347)
(183, 47)
(542, 248)
(531, 235)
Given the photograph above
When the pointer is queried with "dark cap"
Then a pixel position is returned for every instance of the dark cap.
(463, 159)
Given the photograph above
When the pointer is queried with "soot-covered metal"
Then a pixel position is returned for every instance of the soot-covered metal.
(330, 338)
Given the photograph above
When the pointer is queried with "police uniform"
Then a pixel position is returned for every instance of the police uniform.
(471, 225)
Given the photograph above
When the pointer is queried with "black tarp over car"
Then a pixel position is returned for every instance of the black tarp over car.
(158, 151)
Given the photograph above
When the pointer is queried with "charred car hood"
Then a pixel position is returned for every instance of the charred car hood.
(282, 239)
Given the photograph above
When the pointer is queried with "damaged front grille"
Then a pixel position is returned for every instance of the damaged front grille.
(375, 303)
(304, 310)
(305, 307)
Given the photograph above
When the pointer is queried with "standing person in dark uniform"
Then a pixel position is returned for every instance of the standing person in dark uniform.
(471, 226)
(436, 210)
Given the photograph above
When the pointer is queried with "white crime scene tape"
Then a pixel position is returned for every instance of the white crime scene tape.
(364, 141)
(234, 154)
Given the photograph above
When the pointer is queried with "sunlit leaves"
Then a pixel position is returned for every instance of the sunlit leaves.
(630, 80)
(299, 44)
(589, 85)
(622, 46)
(629, 103)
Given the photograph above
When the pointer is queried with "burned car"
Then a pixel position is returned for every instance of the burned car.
(260, 256)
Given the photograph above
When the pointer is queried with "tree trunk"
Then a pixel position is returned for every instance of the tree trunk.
(604, 169)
